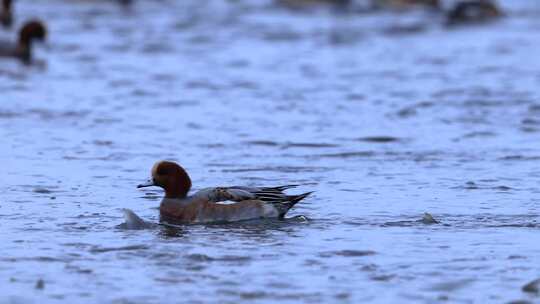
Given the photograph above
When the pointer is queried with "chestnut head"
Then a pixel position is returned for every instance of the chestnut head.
(171, 177)
(32, 30)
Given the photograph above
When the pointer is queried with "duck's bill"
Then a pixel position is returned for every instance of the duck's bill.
(149, 183)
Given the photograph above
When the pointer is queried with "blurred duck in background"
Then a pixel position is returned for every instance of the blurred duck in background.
(22, 49)
(473, 11)
(6, 15)
(405, 4)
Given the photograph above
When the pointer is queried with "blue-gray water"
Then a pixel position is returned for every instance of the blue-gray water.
(383, 122)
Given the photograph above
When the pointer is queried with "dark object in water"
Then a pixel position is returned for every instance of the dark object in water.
(532, 287)
(379, 139)
(473, 11)
(404, 4)
(30, 32)
(428, 219)
(6, 15)
(40, 284)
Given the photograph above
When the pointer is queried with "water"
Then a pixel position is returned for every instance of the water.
(385, 123)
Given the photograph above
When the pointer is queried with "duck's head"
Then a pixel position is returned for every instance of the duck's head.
(171, 177)
(32, 30)
(6, 5)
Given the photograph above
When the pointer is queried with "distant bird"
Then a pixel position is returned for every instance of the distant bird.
(204, 207)
(22, 49)
(6, 15)
(405, 4)
(473, 11)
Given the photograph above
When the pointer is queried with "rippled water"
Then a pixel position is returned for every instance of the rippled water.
(385, 115)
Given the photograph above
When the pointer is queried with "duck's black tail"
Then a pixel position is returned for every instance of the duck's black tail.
(291, 201)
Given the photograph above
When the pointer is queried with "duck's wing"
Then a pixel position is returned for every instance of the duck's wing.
(266, 195)
(241, 193)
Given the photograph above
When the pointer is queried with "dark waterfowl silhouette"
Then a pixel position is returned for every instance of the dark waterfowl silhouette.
(473, 11)
(6, 15)
(22, 49)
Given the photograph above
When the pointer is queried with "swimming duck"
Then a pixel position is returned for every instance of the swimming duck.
(204, 206)
(33, 30)
(404, 4)
(6, 16)
(473, 11)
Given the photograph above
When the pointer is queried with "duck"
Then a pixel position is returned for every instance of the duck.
(6, 15)
(30, 32)
(207, 205)
(473, 11)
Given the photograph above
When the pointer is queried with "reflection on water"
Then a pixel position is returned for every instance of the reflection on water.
(387, 115)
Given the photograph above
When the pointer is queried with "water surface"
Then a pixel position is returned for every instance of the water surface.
(383, 123)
